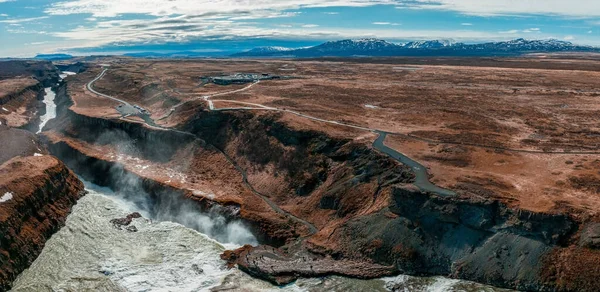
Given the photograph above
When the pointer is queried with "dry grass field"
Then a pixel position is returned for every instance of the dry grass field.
(483, 127)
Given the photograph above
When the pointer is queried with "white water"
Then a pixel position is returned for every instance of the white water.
(50, 108)
(90, 254)
(64, 74)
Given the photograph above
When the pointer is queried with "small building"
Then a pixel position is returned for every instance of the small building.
(241, 78)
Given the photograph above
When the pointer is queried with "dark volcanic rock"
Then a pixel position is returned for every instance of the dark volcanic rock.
(120, 222)
(281, 268)
(479, 240)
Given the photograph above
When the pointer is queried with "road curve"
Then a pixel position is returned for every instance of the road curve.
(420, 171)
(90, 87)
(311, 228)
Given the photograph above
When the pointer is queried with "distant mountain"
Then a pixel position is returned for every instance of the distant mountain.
(54, 57)
(370, 47)
(376, 47)
(435, 44)
(263, 50)
(182, 54)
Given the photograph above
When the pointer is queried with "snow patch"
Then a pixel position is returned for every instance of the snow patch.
(37, 154)
(7, 196)
(4, 109)
(371, 106)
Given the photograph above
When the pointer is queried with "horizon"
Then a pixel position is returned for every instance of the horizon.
(208, 53)
(84, 27)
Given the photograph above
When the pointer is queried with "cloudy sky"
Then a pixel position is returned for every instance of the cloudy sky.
(28, 27)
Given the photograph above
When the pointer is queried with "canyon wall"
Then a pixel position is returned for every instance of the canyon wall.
(366, 213)
(36, 195)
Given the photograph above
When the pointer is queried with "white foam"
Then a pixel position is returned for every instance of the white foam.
(7, 196)
(50, 108)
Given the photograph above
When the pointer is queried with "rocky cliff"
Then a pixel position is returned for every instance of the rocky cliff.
(21, 103)
(360, 213)
(43, 71)
(36, 195)
(334, 183)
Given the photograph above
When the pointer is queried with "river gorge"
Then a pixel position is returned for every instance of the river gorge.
(174, 246)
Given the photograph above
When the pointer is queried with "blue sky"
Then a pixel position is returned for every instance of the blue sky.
(28, 27)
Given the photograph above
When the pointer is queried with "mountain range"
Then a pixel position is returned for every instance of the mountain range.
(374, 48)
(377, 47)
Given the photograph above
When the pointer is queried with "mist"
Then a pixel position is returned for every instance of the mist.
(162, 205)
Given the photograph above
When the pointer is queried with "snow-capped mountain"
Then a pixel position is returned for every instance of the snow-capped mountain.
(377, 47)
(429, 44)
(354, 45)
(533, 45)
(272, 49)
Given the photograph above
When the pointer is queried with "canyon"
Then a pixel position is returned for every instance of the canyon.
(460, 184)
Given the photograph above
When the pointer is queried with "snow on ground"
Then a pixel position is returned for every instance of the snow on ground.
(4, 109)
(371, 106)
(7, 196)
(37, 154)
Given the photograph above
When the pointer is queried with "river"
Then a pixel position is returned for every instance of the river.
(90, 254)
(175, 248)
(50, 108)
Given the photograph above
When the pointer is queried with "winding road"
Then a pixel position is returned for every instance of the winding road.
(90, 87)
(420, 171)
(311, 227)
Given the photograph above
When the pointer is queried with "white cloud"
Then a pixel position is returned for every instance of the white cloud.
(512, 31)
(569, 38)
(310, 25)
(3, 14)
(331, 13)
(589, 31)
(112, 8)
(466, 24)
(571, 8)
(385, 23)
(22, 20)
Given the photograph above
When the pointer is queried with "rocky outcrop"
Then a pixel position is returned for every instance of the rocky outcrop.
(17, 142)
(34, 86)
(280, 268)
(21, 105)
(474, 239)
(43, 71)
(36, 195)
(76, 67)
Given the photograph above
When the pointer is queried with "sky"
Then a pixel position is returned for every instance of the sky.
(29, 27)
